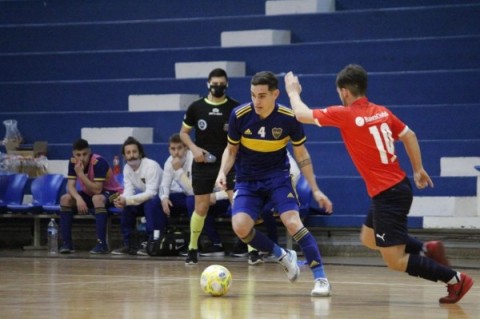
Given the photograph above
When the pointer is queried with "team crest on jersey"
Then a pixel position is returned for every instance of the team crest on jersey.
(202, 125)
(277, 132)
(247, 132)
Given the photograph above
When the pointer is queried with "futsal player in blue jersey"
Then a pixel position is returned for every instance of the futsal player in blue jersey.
(258, 135)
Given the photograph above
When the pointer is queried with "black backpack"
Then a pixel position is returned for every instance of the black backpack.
(170, 243)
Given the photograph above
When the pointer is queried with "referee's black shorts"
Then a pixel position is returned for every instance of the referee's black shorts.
(204, 176)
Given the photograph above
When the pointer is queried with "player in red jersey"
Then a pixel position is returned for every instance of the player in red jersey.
(369, 131)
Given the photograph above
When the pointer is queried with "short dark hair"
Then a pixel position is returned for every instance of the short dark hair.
(265, 78)
(354, 78)
(80, 144)
(217, 73)
(175, 138)
(133, 141)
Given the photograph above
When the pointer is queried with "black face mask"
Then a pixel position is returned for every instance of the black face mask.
(218, 90)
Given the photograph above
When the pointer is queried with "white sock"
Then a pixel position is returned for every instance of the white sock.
(455, 279)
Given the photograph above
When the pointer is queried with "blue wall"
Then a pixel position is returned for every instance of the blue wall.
(65, 65)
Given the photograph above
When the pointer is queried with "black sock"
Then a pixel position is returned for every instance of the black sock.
(426, 268)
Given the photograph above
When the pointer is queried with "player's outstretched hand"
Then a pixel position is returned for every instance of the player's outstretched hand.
(422, 179)
(323, 201)
(292, 85)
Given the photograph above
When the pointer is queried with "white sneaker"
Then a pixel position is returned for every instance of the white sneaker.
(289, 263)
(321, 288)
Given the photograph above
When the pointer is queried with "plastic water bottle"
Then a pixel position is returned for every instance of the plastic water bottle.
(210, 158)
(52, 237)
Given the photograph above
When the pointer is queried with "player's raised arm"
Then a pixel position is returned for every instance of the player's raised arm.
(301, 110)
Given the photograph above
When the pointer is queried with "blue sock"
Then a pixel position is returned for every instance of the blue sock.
(310, 249)
(101, 226)
(318, 272)
(66, 218)
(259, 241)
(277, 251)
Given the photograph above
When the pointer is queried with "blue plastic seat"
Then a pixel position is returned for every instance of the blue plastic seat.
(13, 194)
(305, 195)
(46, 191)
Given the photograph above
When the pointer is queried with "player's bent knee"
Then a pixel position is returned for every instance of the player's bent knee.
(241, 231)
(65, 200)
(98, 200)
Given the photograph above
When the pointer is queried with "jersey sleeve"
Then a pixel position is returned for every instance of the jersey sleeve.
(71, 169)
(100, 170)
(189, 117)
(234, 134)
(397, 126)
(330, 116)
(298, 134)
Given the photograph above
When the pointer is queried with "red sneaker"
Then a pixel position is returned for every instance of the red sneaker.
(458, 290)
(436, 251)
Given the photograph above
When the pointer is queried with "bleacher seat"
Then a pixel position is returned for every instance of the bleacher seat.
(45, 191)
(15, 191)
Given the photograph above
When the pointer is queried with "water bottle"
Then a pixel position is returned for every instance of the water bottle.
(210, 158)
(52, 237)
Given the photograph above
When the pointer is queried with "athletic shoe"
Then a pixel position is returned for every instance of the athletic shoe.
(66, 249)
(215, 250)
(321, 288)
(289, 263)
(266, 256)
(192, 258)
(239, 249)
(125, 250)
(100, 249)
(436, 251)
(143, 249)
(254, 258)
(458, 290)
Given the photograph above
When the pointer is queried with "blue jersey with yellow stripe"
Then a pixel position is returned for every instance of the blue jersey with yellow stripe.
(263, 142)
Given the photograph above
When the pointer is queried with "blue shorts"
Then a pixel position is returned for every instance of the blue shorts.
(388, 214)
(251, 196)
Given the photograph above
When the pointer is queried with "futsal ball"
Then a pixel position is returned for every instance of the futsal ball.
(216, 280)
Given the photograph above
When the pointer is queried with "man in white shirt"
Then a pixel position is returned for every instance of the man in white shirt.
(141, 177)
(176, 192)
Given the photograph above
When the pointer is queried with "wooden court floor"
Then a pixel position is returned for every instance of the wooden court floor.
(143, 287)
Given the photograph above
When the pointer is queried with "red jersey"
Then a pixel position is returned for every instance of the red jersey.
(369, 132)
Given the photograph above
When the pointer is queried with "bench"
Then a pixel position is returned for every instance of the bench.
(37, 218)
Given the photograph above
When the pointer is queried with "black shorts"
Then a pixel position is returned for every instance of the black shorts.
(388, 214)
(88, 199)
(204, 176)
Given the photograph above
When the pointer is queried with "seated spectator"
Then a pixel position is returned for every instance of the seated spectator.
(96, 185)
(141, 178)
(176, 193)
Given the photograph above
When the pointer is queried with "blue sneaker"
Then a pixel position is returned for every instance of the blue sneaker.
(100, 248)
